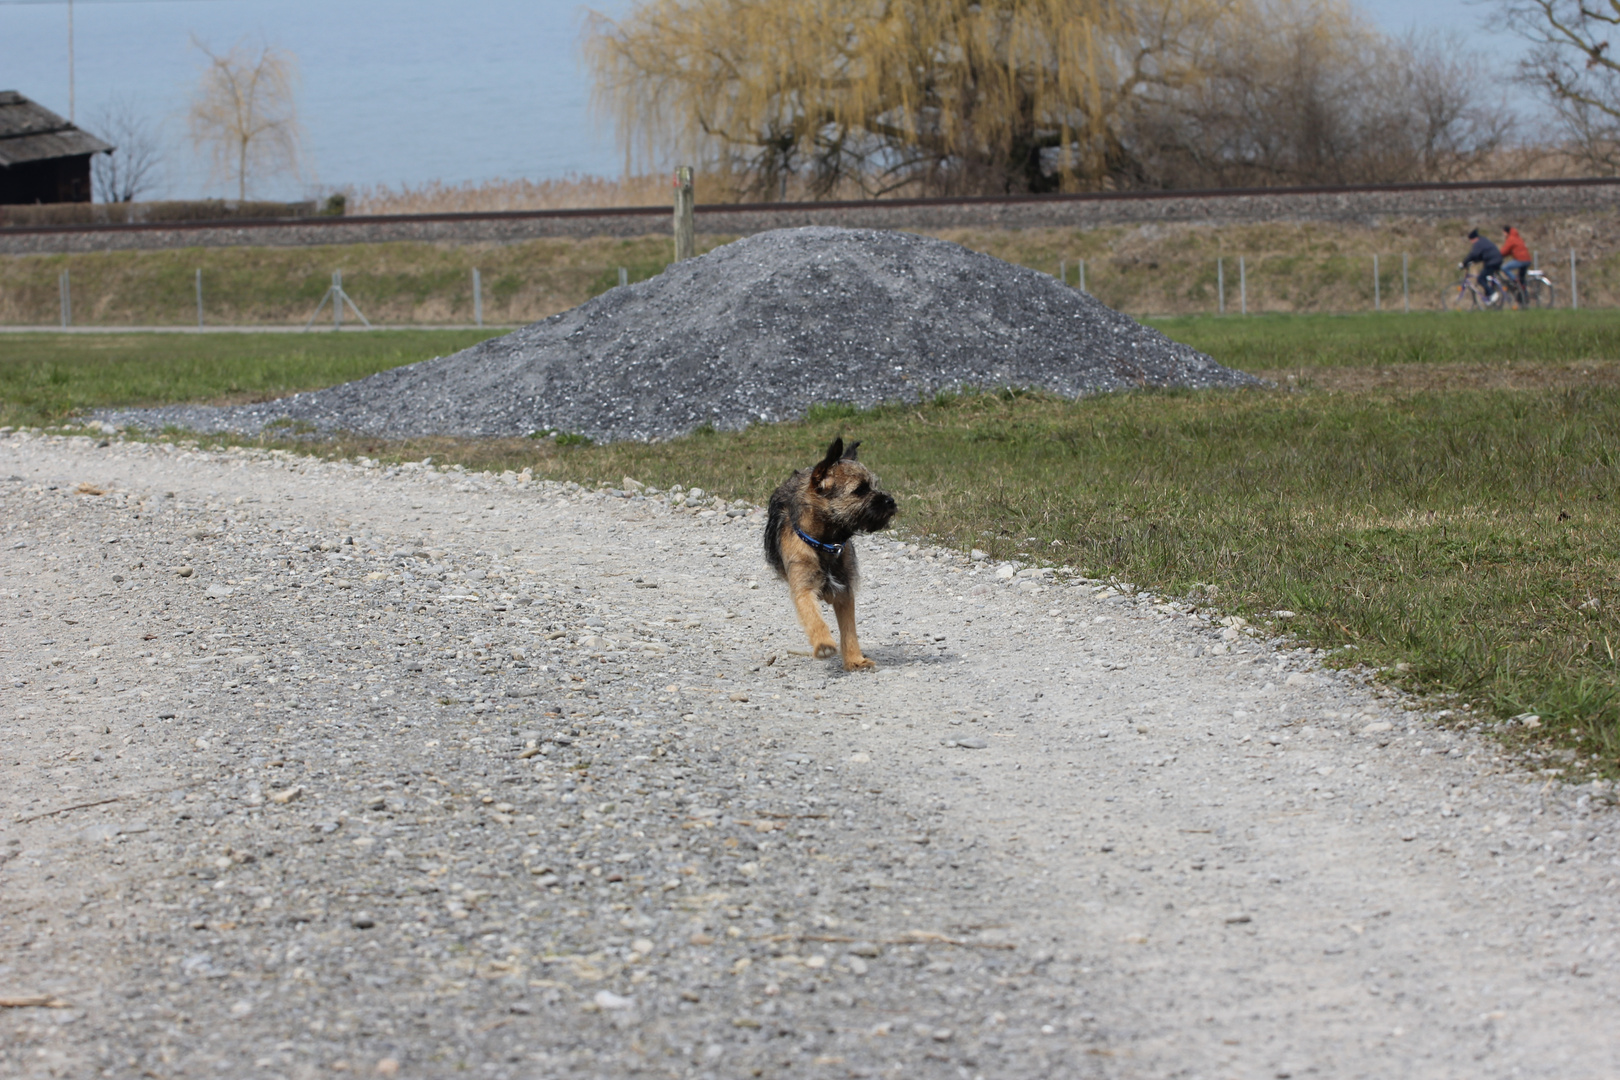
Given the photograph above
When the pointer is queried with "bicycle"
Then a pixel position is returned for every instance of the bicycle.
(1469, 295)
(1536, 292)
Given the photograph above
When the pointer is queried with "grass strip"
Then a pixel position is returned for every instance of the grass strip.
(1275, 345)
(45, 378)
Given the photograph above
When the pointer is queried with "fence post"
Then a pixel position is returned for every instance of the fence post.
(199, 299)
(64, 295)
(685, 226)
(1243, 285)
(1220, 286)
(1063, 271)
(1574, 290)
(624, 277)
(337, 299)
(1378, 301)
(478, 298)
(1406, 288)
(1082, 264)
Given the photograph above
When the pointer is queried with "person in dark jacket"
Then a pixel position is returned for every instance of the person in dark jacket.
(1489, 256)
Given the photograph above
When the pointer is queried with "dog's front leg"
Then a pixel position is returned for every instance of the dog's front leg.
(802, 586)
(843, 604)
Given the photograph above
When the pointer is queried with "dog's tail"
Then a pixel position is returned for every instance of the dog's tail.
(776, 520)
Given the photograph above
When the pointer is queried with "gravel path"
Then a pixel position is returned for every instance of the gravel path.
(754, 331)
(529, 781)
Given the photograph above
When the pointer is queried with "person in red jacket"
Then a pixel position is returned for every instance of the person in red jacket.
(1515, 256)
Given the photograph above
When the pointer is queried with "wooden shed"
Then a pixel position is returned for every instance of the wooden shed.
(43, 158)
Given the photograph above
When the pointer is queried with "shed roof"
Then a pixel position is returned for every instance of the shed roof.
(31, 132)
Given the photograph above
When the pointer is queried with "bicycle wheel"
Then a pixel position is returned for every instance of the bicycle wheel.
(1541, 293)
(1461, 298)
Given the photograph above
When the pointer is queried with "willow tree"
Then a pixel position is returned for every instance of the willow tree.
(945, 96)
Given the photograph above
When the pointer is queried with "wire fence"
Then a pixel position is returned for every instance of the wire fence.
(1242, 284)
(1239, 284)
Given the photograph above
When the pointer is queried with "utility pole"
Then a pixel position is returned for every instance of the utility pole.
(71, 118)
(685, 226)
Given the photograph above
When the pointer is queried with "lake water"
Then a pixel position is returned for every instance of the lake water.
(401, 91)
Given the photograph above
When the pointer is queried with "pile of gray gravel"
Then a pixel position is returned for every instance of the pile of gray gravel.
(755, 331)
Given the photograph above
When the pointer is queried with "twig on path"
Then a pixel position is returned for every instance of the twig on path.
(38, 1001)
(108, 799)
(910, 937)
(65, 809)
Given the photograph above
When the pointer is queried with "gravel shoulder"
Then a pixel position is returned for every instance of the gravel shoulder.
(419, 773)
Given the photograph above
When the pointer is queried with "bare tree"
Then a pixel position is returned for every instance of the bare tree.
(244, 114)
(1310, 93)
(130, 171)
(1572, 63)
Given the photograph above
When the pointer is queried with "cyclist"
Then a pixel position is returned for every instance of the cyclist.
(1489, 257)
(1515, 256)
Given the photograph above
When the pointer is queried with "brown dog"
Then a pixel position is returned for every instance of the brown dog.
(812, 518)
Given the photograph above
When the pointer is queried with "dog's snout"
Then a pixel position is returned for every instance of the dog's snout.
(881, 509)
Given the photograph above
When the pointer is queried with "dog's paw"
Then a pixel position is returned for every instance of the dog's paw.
(824, 651)
(860, 663)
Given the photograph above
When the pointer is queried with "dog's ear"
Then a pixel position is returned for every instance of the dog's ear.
(849, 451)
(834, 452)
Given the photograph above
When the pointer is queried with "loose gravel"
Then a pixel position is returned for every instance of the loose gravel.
(756, 331)
(316, 768)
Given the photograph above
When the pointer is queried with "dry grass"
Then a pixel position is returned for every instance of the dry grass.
(493, 196)
(1299, 267)
(578, 193)
(1146, 270)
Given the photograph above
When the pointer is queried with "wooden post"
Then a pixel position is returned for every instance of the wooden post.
(685, 227)
(1378, 300)
(1220, 286)
(199, 299)
(478, 298)
(337, 300)
(1243, 286)
(1082, 264)
(1574, 288)
(1406, 288)
(64, 289)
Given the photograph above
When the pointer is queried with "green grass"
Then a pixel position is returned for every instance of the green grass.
(1273, 343)
(1460, 539)
(44, 378)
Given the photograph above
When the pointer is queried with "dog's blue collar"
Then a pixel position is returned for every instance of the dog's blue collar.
(835, 550)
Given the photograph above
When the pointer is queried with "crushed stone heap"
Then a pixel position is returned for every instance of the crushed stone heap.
(756, 331)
